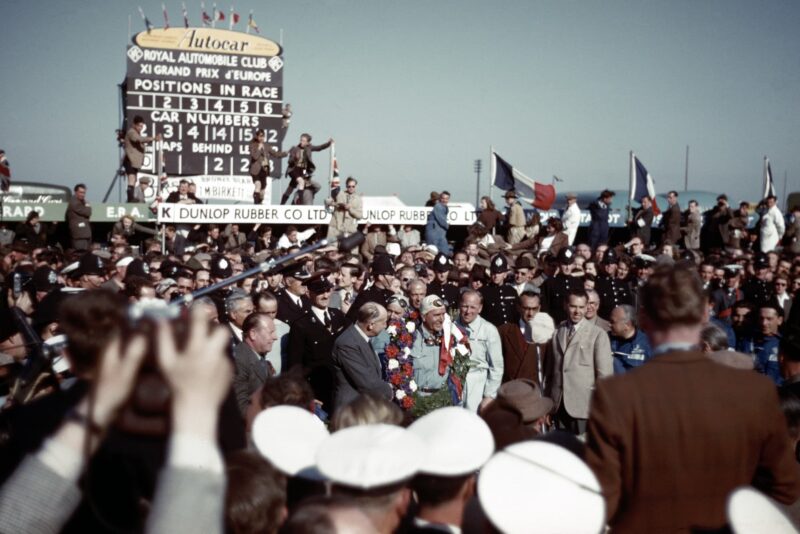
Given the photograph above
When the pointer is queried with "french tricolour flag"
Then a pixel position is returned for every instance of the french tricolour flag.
(507, 178)
(642, 184)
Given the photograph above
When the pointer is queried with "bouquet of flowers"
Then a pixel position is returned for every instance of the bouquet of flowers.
(399, 366)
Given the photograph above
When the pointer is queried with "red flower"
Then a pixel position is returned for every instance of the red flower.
(407, 368)
(406, 339)
(396, 379)
(392, 351)
(407, 402)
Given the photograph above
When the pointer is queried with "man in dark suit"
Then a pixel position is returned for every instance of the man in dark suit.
(642, 221)
(671, 220)
(301, 167)
(182, 195)
(598, 228)
(293, 301)
(382, 270)
(357, 367)
(250, 357)
(670, 440)
(311, 339)
(78, 214)
(522, 356)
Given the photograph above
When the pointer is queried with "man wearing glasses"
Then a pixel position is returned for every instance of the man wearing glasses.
(347, 210)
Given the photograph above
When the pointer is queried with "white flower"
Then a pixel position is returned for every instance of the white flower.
(407, 351)
(392, 330)
(462, 349)
(412, 385)
(399, 394)
(410, 326)
(393, 364)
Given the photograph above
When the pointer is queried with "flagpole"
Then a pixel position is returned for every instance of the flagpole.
(630, 184)
(766, 179)
(785, 198)
(686, 171)
(330, 172)
(492, 170)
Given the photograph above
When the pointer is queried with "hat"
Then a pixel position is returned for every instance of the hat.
(289, 437)
(220, 267)
(170, 268)
(457, 441)
(571, 195)
(643, 261)
(124, 262)
(750, 512)
(524, 263)
(194, 264)
(370, 456)
(499, 264)
(421, 270)
(91, 264)
(47, 309)
(478, 272)
(733, 269)
(534, 479)
(543, 327)
(510, 194)
(610, 257)
(761, 262)
(45, 278)
(566, 256)
(525, 396)
(164, 285)
(393, 249)
(138, 268)
(441, 263)
(318, 282)
(202, 256)
(382, 264)
(144, 179)
(431, 303)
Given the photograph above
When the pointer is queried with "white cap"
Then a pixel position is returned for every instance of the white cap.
(457, 441)
(750, 512)
(370, 456)
(393, 249)
(539, 486)
(542, 327)
(124, 262)
(289, 438)
(70, 268)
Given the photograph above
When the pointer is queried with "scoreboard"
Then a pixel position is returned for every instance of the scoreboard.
(206, 91)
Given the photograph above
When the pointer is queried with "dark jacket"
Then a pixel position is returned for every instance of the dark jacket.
(598, 228)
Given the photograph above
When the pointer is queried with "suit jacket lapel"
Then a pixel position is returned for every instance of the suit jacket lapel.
(255, 361)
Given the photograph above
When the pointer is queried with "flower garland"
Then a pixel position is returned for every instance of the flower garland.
(399, 366)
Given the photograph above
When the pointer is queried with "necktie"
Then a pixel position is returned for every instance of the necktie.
(347, 297)
(327, 320)
(528, 333)
(269, 369)
(571, 332)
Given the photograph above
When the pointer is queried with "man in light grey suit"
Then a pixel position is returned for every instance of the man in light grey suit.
(357, 367)
(250, 357)
(582, 355)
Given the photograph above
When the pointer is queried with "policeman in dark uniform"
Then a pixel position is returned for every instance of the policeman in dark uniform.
(613, 291)
(440, 286)
(556, 289)
(499, 298)
(726, 296)
(756, 289)
(220, 269)
(292, 300)
(642, 269)
(382, 270)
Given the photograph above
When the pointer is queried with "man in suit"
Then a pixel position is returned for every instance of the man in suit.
(669, 441)
(581, 357)
(301, 167)
(515, 219)
(523, 356)
(694, 222)
(671, 220)
(357, 367)
(437, 225)
(347, 210)
(382, 270)
(182, 195)
(250, 358)
(311, 339)
(134, 153)
(78, 214)
(598, 228)
(238, 306)
(592, 307)
(642, 221)
(292, 300)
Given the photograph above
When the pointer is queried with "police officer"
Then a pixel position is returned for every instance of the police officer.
(440, 286)
(757, 289)
(613, 291)
(726, 296)
(556, 289)
(382, 270)
(499, 298)
(629, 345)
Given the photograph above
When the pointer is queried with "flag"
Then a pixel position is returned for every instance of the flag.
(218, 15)
(642, 184)
(146, 20)
(205, 16)
(769, 185)
(252, 24)
(5, 176)
(508, 178)
(166, 17)
(185, 15)
(545, 196)
(234, 19)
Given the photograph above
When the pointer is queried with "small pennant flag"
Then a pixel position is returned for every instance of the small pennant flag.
(206, 17)
(219, 15)
(251, 23)
(185, 15)
(642, 184)
(234, 19)
(769, 185)
(146, 20)
(166, 17)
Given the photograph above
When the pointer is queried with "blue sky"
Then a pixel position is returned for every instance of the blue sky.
(414, 91)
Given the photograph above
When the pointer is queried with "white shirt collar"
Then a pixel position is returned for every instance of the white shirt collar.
(361, 333)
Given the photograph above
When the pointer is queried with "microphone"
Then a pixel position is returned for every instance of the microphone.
(350, 242)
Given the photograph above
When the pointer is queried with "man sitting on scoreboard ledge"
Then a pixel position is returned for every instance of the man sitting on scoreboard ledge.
(301, 168)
